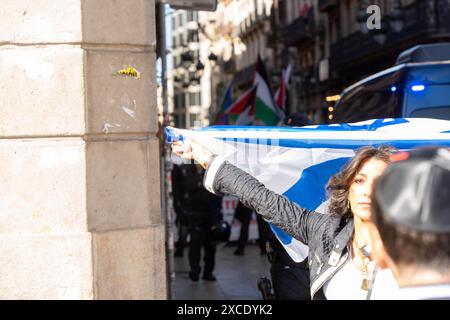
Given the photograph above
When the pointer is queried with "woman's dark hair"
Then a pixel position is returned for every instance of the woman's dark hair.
(339, 185)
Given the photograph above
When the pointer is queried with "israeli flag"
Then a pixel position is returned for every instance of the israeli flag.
(298, 162)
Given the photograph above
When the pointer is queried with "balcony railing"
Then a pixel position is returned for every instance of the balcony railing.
(299, 31)
(229, 66)
(325, 5)
(252, 21)
(422, 22)
(244, 76)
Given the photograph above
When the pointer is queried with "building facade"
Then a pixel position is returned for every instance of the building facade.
(185, 75)
(281, 32)
(299, 37)
(326, 42)
(236, 34)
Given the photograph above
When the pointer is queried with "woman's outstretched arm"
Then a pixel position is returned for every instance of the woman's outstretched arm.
(223, 178)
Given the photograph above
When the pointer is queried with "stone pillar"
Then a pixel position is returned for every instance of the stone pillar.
(80, 213)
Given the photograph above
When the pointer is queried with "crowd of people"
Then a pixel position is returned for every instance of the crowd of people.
(387, 233)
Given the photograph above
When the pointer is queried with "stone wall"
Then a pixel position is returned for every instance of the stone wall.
(80, 213)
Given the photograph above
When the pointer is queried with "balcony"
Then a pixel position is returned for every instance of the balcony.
(299, 31)
(229, 66)
(244, 77)
(272, 39)
(425, 21)
(252, 22)
(325, 5)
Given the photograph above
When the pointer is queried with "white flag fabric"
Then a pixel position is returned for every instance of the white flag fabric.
(298, 162)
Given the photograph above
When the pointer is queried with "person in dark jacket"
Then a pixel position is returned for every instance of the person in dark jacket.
(203, 211)
(180, 196)
(297, 119)
(244, 215)
(339, 258)
(411, 223)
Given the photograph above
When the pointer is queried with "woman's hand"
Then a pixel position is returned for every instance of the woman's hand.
(193, 151)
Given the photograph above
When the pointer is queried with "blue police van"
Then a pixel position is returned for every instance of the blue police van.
(418, 86)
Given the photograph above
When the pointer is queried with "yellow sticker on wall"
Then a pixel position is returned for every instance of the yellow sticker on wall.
(130, 72)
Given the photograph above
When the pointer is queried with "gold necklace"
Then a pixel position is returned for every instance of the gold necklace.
(365, 273)
(366, 277)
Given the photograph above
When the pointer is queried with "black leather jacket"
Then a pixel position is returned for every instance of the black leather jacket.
(327, 235)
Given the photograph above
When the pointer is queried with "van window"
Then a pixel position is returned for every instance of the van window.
(442, 113)
(436, 74)
(366, 104)
(370, 101)
(432, 102)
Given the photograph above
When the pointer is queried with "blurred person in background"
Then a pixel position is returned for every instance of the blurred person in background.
(182, 215)
(198, 212)
(297, 119)
(205, 216)
(244, 215)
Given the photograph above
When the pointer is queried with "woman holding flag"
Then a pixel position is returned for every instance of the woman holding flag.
(339, 258)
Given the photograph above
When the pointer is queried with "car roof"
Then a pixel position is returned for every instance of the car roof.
(425, 53)
(392, 70)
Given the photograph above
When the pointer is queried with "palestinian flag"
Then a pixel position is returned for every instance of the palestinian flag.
(242, 112)
(266, 111)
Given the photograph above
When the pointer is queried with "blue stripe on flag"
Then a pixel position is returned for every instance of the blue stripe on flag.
(309, 191)
(172, 136)
(377, 124)
(340, 144)
(281, 235)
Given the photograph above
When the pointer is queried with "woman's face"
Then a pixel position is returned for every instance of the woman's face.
(361, 188)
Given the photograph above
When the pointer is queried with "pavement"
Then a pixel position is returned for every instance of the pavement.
(237, 276)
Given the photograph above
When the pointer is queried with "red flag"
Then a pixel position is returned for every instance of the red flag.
(281, 94)
(247, 99)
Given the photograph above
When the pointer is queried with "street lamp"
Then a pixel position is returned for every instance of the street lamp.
(212, 57)
(200, 67)
(187, 58)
